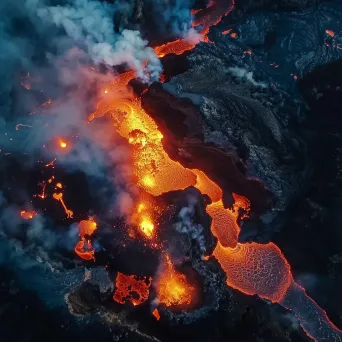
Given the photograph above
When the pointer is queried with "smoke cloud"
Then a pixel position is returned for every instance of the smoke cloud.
(32, 237)
(49, 88)
(187, 225)
(90, 24)
(247, 75)
(172, 16)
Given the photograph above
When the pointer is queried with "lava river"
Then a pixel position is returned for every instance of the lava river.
(251, 268)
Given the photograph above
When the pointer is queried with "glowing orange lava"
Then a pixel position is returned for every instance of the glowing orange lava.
(156, 314)
(155, 171)
(51, 163)
(28, 215)
(172, 287)
(330, 33)
(144, 217)
(178, 47)
(62, 144)
(131, 288)
(226, 31)
(253, 268)
(59, 197)
(87, 227)
(203, 18)
(224, 225)
(206, 186)
(212, 14)
(84, 248)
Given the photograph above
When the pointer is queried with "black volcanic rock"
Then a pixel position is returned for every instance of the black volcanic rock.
(247, 106)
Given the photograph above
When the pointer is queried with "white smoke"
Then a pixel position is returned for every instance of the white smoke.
(247, 75)
(186, 224)
(192, 36)
(90, 23)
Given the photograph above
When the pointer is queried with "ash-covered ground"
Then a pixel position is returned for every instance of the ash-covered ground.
(258, 110)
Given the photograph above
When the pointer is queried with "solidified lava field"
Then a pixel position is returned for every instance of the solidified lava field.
(170, 170)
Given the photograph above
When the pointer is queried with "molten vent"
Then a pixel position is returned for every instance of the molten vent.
(173, 288)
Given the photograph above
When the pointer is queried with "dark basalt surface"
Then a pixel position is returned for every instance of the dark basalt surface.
(251, 116)
(264, 135)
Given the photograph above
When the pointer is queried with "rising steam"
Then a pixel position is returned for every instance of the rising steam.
(90, 24)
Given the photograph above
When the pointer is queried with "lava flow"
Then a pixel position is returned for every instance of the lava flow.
(131, 288)
(204, 19)
(172, 287)
(84, 248)
(59, 197)
(251, 268)
(28, 215)
(155, 171)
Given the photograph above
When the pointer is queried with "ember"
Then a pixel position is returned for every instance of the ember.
(330, 33)
(62, 144)
(156, 314)
(252, 268)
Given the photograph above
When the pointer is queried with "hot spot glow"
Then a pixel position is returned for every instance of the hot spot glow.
(83, 248)
(27, 215)
(59, 197)
(172, 287)
(258, 269)
(156, 314)
(131, 288)
(143, 218)
(330, 33)
(155, 171)
(62, 143)
(251, 268)
(147, 226)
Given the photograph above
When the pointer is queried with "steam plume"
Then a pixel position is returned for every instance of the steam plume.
(90, 23)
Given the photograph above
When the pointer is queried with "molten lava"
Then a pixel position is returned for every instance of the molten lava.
(144, 218)
(330, 33)
(87, 227)
(178, 47)
(156, 314)
(206, 186)
(253, 268)
(203, 19)
(224, 225)
(27, 215)
(59, 197)
(131, 288)
(226, 31)
(212, 14)
(62, 143)
(155, 171)
(84, 248)
(172, 287)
